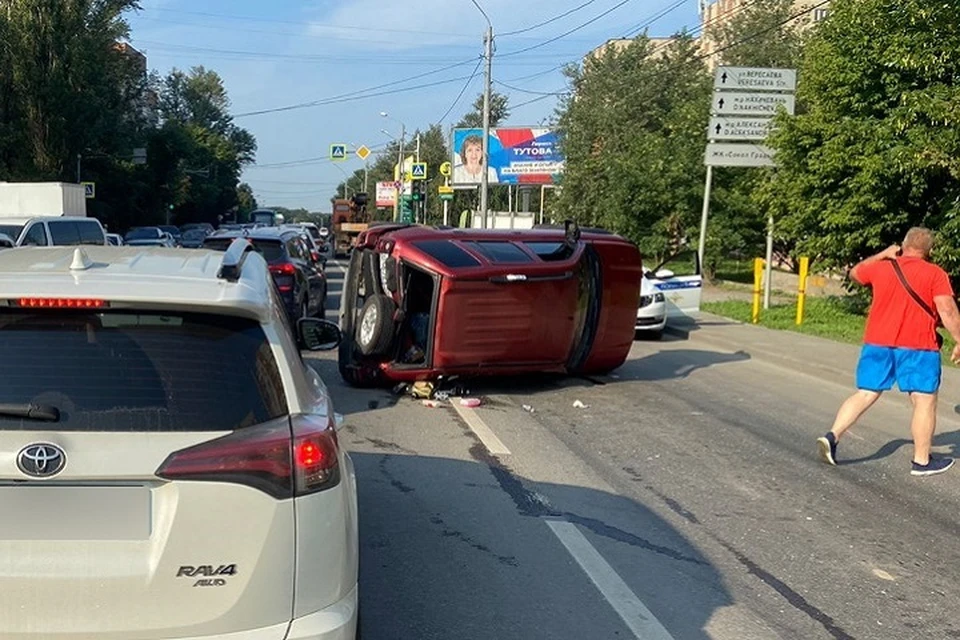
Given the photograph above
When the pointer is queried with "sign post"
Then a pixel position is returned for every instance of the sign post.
(744, 102)
(446, 191)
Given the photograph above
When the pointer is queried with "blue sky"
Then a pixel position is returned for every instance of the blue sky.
(281, 53)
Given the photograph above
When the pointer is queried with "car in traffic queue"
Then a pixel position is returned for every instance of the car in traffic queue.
(169, 465)
(299, 275)
(422, 302)
(193, 238)
(669, 293)
(45, 231)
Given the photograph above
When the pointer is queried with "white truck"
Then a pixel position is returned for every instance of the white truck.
(45, 214)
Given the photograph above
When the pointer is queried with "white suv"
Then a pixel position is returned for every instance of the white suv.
(169, 466)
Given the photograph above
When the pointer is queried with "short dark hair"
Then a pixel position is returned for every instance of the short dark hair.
(469, 140)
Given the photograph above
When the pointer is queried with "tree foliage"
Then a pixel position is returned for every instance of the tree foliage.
(876, 147)
(633, 135)
(499, 112)
(761, 35)
(74, 99)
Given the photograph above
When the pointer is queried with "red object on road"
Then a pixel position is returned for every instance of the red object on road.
(423, 302)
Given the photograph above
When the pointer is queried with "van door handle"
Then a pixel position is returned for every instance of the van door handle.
(512, 278)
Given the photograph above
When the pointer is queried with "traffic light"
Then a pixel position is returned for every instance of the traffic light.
(360, 200)
(416, 190)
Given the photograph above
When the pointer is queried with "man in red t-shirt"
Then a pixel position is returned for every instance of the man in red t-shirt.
(900, 344)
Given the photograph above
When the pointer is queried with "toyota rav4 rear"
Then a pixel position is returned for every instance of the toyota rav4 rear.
(169, 466)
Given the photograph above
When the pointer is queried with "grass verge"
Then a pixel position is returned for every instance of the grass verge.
(832, 318)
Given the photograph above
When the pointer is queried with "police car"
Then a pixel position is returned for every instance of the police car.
(671, 292)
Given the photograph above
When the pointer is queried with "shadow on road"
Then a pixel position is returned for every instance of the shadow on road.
(457, 549)
(950, 439)
(675, 363)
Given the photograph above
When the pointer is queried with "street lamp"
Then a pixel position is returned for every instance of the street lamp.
(403, 135)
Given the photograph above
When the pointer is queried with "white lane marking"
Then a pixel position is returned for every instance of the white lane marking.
(489, 439)
(628, 606)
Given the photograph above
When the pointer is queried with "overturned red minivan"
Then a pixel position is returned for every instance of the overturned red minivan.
(420, 303)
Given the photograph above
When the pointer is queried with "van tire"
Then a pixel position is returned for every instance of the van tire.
(374, 332)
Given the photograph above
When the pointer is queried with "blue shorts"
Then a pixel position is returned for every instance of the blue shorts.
(913, 370)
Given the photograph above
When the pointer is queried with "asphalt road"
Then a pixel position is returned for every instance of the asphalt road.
(684, 501)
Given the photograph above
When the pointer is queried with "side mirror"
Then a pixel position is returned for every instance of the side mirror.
(663, 274)
(314, 334)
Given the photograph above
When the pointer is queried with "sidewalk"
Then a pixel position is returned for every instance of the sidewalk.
(825, 359)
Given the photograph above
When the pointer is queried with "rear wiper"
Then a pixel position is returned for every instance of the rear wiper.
(41, 412)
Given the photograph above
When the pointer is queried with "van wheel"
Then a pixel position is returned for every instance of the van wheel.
(375, 325)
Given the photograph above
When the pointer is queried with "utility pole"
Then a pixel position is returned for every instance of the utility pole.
(484, 178)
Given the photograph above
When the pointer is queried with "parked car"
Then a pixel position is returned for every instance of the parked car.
(171, 465)
(300, 279)
(193, 238)
(174, 231)
(669, 293)
(421, 302)
(115, 239)
(44, 231)
(143, 233)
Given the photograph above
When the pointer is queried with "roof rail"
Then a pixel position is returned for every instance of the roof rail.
(232, 264)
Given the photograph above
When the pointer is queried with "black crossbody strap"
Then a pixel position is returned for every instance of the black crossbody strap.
(913, 294)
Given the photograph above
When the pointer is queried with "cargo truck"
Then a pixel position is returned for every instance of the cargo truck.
(349, 219)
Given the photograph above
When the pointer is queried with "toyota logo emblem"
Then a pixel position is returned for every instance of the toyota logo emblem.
(41, 460)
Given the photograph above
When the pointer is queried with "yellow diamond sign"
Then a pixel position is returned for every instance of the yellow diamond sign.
(363, 152)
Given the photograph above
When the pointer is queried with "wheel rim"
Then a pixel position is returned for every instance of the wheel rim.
(367, 325)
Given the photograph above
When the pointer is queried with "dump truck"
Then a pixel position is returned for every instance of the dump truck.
(349, 220)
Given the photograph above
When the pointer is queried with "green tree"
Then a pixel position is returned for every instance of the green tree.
(633, 134)
(761, 35)
(246, 201)
(875, 148)
(499, 112)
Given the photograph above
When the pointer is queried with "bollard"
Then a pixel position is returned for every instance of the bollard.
(802, 288)
(757, 287)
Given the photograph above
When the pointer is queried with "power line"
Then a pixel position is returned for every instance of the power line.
(566, 33)
(344, 97)
(648, 22)
(295, 57)
(536, 93)
(462, 91)
(546, 22)
(306, 161)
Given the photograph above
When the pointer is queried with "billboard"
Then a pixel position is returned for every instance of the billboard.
(386, 194)
(517, 156)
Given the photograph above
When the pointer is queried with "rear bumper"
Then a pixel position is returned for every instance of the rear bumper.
(336, 622)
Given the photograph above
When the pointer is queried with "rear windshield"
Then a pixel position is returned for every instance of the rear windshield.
(12, 230)
(271, 250)
(129, 371)
(145, 233)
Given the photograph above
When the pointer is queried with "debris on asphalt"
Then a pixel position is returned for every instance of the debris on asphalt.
(422, 390)
(579, 405)
(400, 389)
(443, 396)
(471, 403)
(431, 404)
(528, 408)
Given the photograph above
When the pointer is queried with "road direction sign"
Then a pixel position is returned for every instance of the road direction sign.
(362, 152)
(89, 190)
(755, 79)
(726, 128)
(738, 155)
(418, 171)
(442, 189)
(726, 103)
(338, 152)
(446, 169)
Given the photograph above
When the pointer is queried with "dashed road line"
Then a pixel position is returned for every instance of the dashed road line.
(489, 439)
(638, 618)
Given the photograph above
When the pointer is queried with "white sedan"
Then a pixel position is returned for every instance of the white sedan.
(669, 294)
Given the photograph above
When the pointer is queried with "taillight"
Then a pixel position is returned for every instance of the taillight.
(286, 269)
(61, 303)
(283, 276)
(267, 457)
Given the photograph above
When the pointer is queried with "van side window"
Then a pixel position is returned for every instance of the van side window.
(36, 236)
(91, 232)
(64, 232)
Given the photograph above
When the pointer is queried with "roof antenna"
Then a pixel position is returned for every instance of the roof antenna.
(81, 261)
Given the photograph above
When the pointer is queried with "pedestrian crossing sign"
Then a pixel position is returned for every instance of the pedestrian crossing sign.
(338, 152)
(418, 171)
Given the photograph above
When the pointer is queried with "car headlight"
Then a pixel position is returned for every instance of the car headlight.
(645, 301)
(659, 297)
